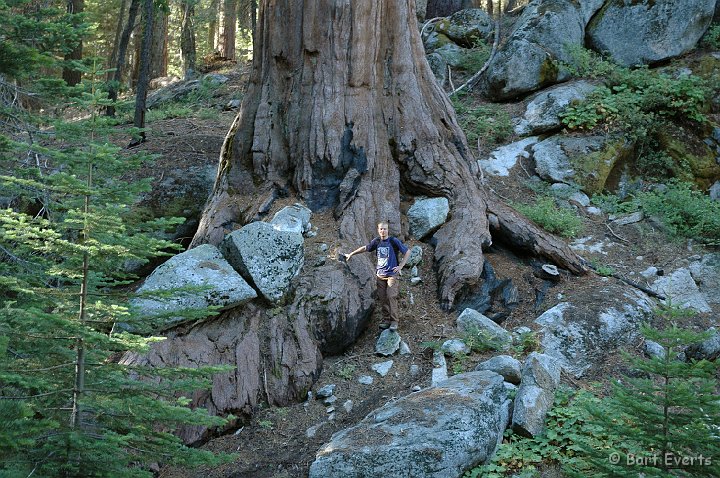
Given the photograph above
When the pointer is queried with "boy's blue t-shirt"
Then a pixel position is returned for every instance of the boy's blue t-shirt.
(386, 258)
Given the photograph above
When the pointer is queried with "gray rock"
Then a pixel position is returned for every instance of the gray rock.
(472, 321)
(709, 349)
(654, 349)
(326, 391)
(404, 348)
(382, 368)
(366, 380)
(580, 337)
(454, 347)
(451, 53)
(503, 159)
(427, 215)
(542, 114)
(635, 33)
(439, 371)
(528, 59)
(554, 156)
(715, 191)
(414, 370)
(415, 258)
(467, 27)
(348, 406)
(439, 67)
(650, 272)
(388, 343)
(329, 401)
(437, 432)
(415, 280)
(681, 289)
(504, 365)
(535, 396)
(295, 218)
(706, 274)
(265, 256)
(202, 266)
(631, 218)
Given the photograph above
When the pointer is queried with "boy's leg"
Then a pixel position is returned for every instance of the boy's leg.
(392, 293)
(382, 288)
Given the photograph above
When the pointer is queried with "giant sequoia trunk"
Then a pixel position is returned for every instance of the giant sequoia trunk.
(342, 112)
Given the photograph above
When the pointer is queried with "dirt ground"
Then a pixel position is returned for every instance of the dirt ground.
(278, 442)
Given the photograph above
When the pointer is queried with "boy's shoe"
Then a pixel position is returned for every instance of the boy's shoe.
(385, 324)
(393, 325)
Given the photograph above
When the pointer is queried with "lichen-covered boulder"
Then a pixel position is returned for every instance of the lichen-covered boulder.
(530, 58)
(467, 27)
(542, 114)
(267, 257)
(437, 432)
(202, 267)
(426, 215)
(585, 162)
(649, 31)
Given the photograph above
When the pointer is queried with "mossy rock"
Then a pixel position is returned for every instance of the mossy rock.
(595, 168)
(694, 160)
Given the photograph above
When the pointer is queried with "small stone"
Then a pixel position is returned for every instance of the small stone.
(310, 234)
(414, 370)
(310, 432)
(348, 406)
(366, 380)
(331, 417)
(388, 342)
(404, 348)
(416, 388)
(323, 247)
(649, 272)
(329, 400)
(654, 350)
(382, 368)
(330, 409)
(415, 280)
(414, 271)
(325, 391)
(454, 347)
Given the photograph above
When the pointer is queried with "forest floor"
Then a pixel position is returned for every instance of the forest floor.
(275, 442)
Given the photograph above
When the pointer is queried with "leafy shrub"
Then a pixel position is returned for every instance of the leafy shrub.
(711, 38)
(553, 219)
(472, 59)
(482, 341)
(488, 123)
(685, 211)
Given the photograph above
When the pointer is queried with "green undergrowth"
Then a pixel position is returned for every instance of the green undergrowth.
(546, 214)
(484, 124)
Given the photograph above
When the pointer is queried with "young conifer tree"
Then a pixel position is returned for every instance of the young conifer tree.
(665, 417)
(67, 407)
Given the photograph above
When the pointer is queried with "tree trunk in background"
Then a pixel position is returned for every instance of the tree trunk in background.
(118, 34)
(72, 76)
(159, 47)
(121, 55)
(144, 70)
(213, 25)
(229, 29)
(342, 112)
(187, 38)
(253, 16)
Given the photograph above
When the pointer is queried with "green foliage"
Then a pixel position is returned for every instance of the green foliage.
(482, 341)
(347, 371)
(553, 219)
(711, 39)
(528, 342)
(472, 59)
(485, 123)
(634, 101)
(667, 413)
(69, 408)
(602, 269)
(684, 211)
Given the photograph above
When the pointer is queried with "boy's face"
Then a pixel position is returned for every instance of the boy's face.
(383, 231)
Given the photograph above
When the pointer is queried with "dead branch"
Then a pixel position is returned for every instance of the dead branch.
(469, 84)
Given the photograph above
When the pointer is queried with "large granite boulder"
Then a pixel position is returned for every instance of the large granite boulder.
(529, 59)
(196, 279)
(582, 335)
(266, 257)
(649, 31)
(467, 27)
(542, 114)
(536, 394)
(582, 161)
(440, 431)
(426, 215)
